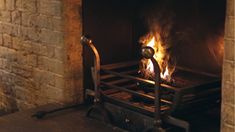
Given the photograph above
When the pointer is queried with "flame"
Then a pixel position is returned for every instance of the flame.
(160, 56)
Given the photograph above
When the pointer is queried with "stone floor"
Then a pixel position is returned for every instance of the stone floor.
(74, 120)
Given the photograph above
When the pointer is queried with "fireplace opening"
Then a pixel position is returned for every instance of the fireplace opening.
(187, 38)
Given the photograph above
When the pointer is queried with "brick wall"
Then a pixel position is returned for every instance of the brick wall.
(228, 88)
(40, 62)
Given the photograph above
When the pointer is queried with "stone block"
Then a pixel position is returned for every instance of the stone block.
(59, 82)
(24, 82)
(59, 54)
(29, 19)
(23, 71)
(58, 24)
(17, 43)
(227, 128)
(229, 50)
(47, 50)
(43, 77)
(228, 71)
(24, 105)
(51, 65)
(228, 91)
(1, 39)
(44, 21)
(28, 5)
(52, 37)
(228, 115)
(5, 16)
(16, 30)
(54, 94)
(10, 5)
(230, 8)
(31, 33)
(7, 40)
(7, 28)
(32, 60)
(2, 5)
(16, 17)
(21, 93)
(53, 8)
(229, 27)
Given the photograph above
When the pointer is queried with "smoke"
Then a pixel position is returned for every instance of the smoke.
(191, 31)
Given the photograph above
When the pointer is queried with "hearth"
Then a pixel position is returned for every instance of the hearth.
(127, 99)
(155, 62)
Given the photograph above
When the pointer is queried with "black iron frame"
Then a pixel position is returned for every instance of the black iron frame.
(160, 114)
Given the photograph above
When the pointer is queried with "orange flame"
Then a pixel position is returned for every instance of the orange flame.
(160, 56)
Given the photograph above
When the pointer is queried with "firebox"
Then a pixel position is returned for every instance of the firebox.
(150, 62)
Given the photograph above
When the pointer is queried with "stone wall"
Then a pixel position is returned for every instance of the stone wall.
(40, 62)
(228, 86)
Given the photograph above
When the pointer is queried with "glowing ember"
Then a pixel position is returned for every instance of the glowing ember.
(161, 57)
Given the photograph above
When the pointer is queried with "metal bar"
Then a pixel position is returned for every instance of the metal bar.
(119, 65)
(110, 75)
(157, 102)
(130, 106)
(127, 90)
(197, 72)
(139, 79)
(96, 68)
(118, 81)
(146, 96)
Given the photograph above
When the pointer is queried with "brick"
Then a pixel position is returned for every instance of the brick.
(229, 48)
(24, 82)
(56, 95)
(7, 28)
(10, 5)
(57, 24)
(24, 105)
(228, 90)
(228, 71)
(28, 5)
(16, 30)
(51, 65)
(23, 71)
(59, 82)
(229, 27)
(43, 77)
(29, 19)
(230, 8)
(29, 33)
(227, 128)
(32, 60)
(228, 115)
(5, 16)
(7, 40)
(2, 5)
(53, 8)
(1, 39)
(16, 17)
(44, 21)
(59, 54)
(42, 49)
(52, 37)
(21, 93)
(17, 43)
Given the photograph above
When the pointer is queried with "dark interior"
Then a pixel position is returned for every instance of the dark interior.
(193, 31)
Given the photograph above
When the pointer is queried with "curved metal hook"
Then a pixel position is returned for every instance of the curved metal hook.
(96, 69)
(148, 53)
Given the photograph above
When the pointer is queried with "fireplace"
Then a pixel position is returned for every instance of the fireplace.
(191, 32)
(42, 60)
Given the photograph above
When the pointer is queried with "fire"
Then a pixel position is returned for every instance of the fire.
(160, 56)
